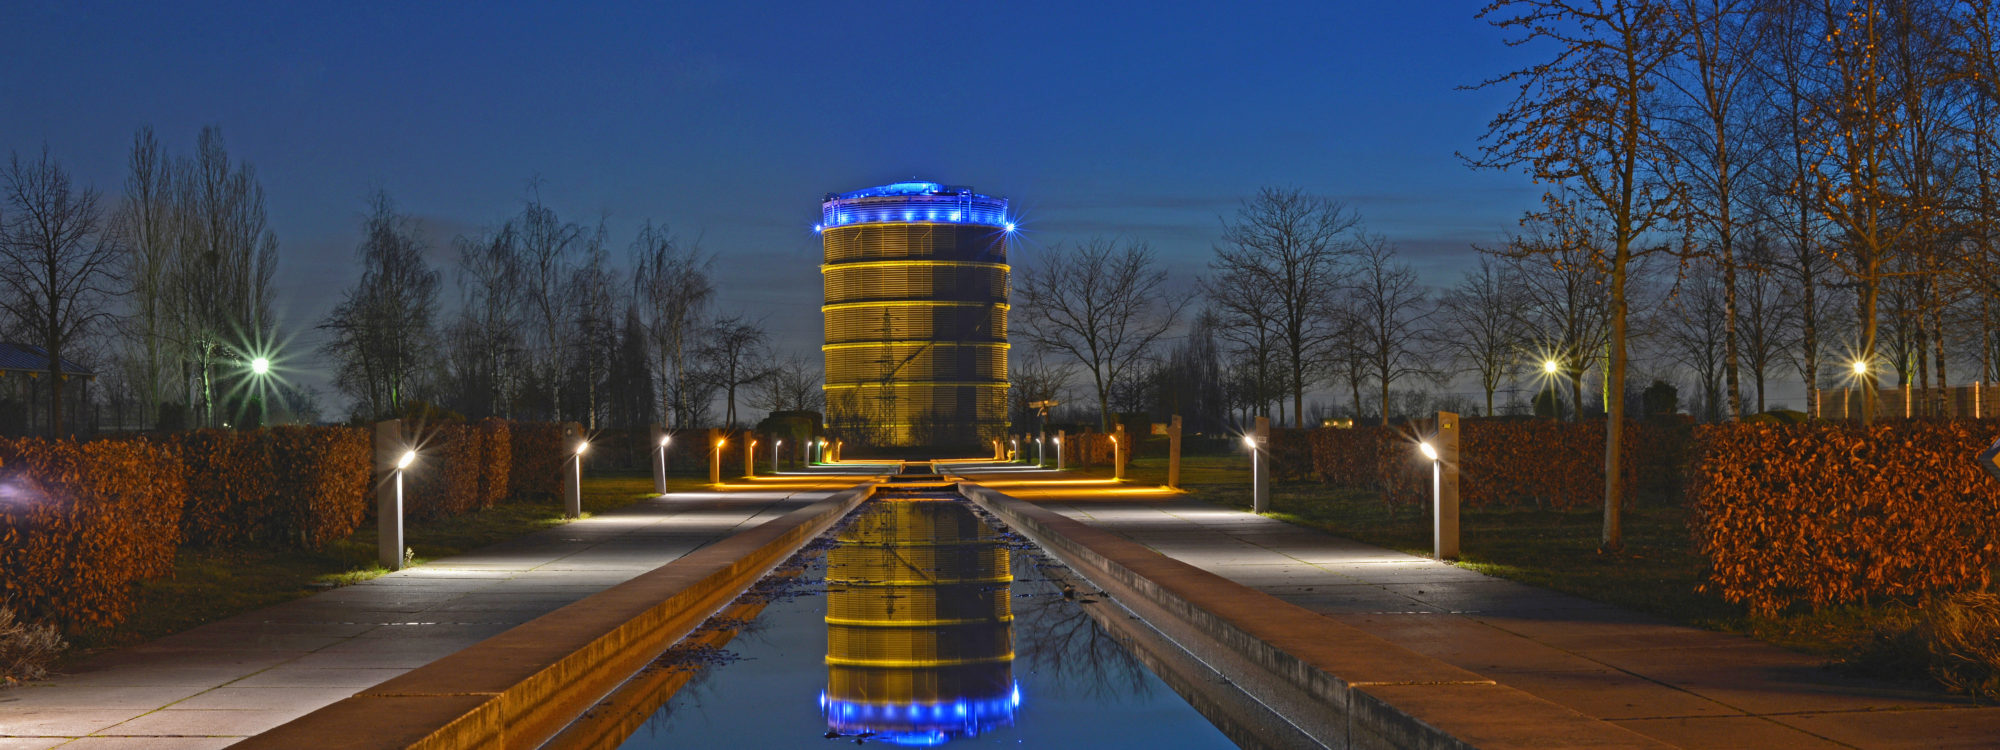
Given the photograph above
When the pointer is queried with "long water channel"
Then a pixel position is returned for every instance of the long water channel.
(917, 620)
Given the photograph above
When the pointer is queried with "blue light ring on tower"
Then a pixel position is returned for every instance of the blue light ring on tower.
(913, 202)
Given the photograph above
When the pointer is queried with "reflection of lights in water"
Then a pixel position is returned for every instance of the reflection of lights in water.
(919, 625)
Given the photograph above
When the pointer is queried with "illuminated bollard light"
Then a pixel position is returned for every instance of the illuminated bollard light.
(393, 457)
(749, 454)
(1260, 466)
(1442, 450)
(573, 473)
(775, 444)
(715, 443)
(1059, 449)
(660, 441)
(1118, 440)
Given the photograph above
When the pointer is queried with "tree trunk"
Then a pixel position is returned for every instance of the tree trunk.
(1614, 418)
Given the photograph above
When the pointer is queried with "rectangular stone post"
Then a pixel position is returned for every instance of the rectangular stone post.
(1260, 467)
(1444, 480)
(715, 456)
(1059, 448)
(389, 448)
(1119, 451)
(659, 459)
(572, 480)
(1174, 453)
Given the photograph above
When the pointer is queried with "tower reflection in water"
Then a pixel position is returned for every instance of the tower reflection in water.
(919, 626)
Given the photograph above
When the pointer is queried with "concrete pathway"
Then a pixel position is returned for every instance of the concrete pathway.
(1685, 686)
(213, 685)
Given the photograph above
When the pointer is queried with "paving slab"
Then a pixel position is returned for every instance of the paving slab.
(1682, 685)
(213, 685)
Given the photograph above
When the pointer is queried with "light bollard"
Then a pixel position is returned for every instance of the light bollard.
(1260, 467)
(1174, 453)
(775, 445)
(1041, 454)
(660, 441)
(392, 457)
(1059, 450)
(573, 474)
(1118, 454)
(715, 443)
(1442, 450)
(749, 454)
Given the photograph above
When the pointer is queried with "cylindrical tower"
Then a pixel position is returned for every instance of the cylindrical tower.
(916, 315)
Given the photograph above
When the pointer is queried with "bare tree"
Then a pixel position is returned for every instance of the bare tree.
(733, 357)
(1394, 313)
(1032, 377)
(1246, 314)
(795, 384)
(147, 224)
(485, 352)
(382, 331)
(225, 257)
(547, 250)
(1103, 304)
(1583, 119)
(1719, 58)
(1793, 164)
(58, 263)
(670, 278)
(1293, 247)
(1693, 330)
(1479, 326)
(1563, 308)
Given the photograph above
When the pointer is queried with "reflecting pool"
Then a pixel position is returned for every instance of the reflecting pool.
(917, 622)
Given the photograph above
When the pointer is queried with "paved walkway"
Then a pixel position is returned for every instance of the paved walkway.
(213, 685)
(1682, 685)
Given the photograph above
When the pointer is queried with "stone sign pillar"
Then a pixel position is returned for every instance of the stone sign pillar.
(1174, 453)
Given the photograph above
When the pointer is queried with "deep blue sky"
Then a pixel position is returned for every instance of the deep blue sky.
(730, 121)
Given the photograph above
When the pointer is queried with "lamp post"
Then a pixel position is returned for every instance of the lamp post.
(393, 457)
(1059, 450)
(715, 460)
(1041, 453)
(660, 441)
(749, 456)
(573, 476)
(1442, 450)
(1016, 458)
(774, 454)
(1260, 469)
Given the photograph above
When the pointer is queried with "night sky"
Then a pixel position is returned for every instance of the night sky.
(729, 123)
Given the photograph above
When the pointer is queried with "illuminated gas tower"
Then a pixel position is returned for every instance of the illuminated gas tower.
(916, 315)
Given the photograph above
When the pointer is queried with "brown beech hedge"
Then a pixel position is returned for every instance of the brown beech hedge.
(1544, 463)
(1829, 514)
(80, 522)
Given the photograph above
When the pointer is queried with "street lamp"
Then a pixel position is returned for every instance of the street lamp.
(389, 495)
(1059, 450)
(1041, 455)
(1442, 451)
(573, 489)
(1551, 367)
(715, 461)
(1259, 493)
(1017, 449)
(260, 366)
(664, 440)
(774, 455)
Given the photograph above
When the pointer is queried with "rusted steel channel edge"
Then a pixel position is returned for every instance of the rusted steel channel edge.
(1383, 695)
(520, 687)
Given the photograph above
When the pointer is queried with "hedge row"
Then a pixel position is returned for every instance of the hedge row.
(1545, 463)
(80, 522)
(1828, 514)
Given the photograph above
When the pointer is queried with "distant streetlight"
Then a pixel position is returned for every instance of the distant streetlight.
(260, 366)
(1551, 367)
(774, 455)
(573, 488)
(1041, 455)
(1860, 368)
(1260, 470)
(661, 475)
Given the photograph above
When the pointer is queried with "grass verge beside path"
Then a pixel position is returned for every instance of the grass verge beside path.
(212, 584)
(1658, 572)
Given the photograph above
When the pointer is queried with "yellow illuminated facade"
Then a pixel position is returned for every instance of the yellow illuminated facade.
(916, 288)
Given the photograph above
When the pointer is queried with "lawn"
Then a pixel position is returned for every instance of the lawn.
(1658, 572)
(211, 584)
